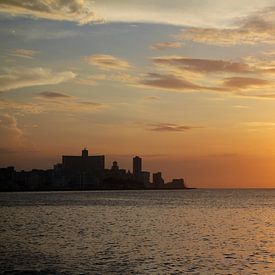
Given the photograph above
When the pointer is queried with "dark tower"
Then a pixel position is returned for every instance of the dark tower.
(115, 166)
(85, 153)
(137, 167)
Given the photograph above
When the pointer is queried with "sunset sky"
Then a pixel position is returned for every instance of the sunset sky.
(187, 85)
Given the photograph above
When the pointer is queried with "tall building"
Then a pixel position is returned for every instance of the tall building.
(137, 167)
(83, 164)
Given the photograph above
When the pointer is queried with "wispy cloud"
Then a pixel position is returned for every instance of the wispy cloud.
(15, 78)
(154, 98)
(181, 12)
(245, 82)
(11, 134)
(80, 11)
(21, 107)
(202, 65)
(170, 127)
(261, 124)
(182, 74)
(107, 62)
(167, 81)
(51, 95)
(265, 96)
(74, 106)
(23, 53)
(166, 45)
(14, 137)
(258, 27)
(241, 106)
(46, 105)
(178, 12)
(62, 102)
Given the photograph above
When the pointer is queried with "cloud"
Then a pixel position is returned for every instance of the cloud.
(21, 107)
(266, 96)
(170, 127)
(14, 139)
(241, 106)
(23, 53)
(167, 81)
(11, 134)
(202, 65)
(261, 96)
(54, 104)
(245, 82)
(61, 102)
(166, 45)
(107, 62)
(258, 27)
(261, 124)
(180, 12)
(73, 106)
(80, 11)
(15, 78)
(49, 94)
(183, 74)
(9, 122)
(152, 98)
(89, 81)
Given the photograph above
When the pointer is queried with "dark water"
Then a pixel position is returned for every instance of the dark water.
(140, 232)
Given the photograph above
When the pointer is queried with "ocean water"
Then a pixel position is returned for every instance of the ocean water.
(138, 232)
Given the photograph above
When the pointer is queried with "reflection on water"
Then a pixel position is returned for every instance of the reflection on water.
(148, 232)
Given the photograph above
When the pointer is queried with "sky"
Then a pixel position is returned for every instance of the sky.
(187, 85)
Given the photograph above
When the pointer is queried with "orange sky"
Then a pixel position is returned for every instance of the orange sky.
(187, 85)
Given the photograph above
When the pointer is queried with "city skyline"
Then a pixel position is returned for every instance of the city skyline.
(85, 172)
(189, 86)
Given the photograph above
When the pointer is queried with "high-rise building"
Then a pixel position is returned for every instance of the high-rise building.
(137, 167)
(85, 153)
(83, 163)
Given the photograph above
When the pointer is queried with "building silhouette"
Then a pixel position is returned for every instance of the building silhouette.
(157, 179)
(83, 163)
(137, 167)
(84, 172)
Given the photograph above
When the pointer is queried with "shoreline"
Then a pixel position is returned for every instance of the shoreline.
(94, 189)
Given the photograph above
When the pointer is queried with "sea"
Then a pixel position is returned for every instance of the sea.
(198, 231)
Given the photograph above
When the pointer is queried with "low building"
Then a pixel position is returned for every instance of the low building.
(158, 180)
(176, 184)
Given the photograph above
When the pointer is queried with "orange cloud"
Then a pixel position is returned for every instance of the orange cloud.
(168, 81)
(52, 104)
(245, 82)
(105, 61)
(202, 65)
(80, 11)
(20, 106)
(49, 94)
(15, 78)
(256, 28)
(170, 127)
(11, 134)
(23, 53)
